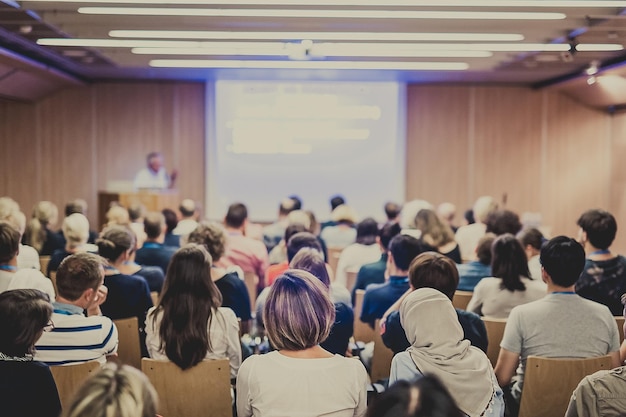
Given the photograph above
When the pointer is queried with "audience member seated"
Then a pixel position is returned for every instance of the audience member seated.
(423, 397)
(39, 233)
(188, 325)
(560, 325)
(311, 260)
(275, 270)
(78, 206)
(75, 234)
(335, 201)
(117, 215)
(129, 295)
(437, 347)
(532, 239)
(153, 275)
(500, 222)
(300, 378)
(245, 252)
(116, 390)
(232, 288)
(379, 297)
(447, 212)
(603, 278)
(136, 215)
(510, 285)
(472, 272)
(278, 255)
(12, 278)
(432, 270)
(363, 251)
(602, 394)
(273, 233)
(78, 338)
(27, 388)
(188, 218)
(409, 214)
(342, 233)
(392, 211)
(171, 221)
(374, 273)
(468, 236)
(316, 229)
(27, 258)
(154, 252)
(437, 234)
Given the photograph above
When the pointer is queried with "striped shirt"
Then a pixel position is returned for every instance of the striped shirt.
(76, 338)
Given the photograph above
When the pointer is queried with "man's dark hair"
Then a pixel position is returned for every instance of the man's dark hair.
(500, 222)
(236, 215)
(532, 237)
(563, 259)
(292, 229)
(367, 231)
(483, 249)
(9, 242)
(469, 216)
(392, 210)
(171, 220)
(297, 202)
(154, 224)
(78, 273)
(388, 232)
(434, 270)
(404, 249)
(600, 227)
(336, 201)
(286, 206)
(302, 240)
(75, 206)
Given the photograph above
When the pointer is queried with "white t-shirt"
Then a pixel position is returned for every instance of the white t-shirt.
(26, 279)
(223, 334)
(280, 386)
(28, 258)
(491, 300)
(355, 256)
(148, 179)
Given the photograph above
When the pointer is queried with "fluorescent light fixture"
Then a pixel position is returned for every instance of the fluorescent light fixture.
(338, 36)
(321, 14)
(315, 51)
(382, 3)
(327, 65)
(492, 47)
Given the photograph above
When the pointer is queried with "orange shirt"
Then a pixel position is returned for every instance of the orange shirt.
(274, 271)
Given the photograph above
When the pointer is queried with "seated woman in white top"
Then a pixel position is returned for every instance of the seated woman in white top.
(300, 378)
(188, 325)
(437, 347)
(510, 285)
(364, 251)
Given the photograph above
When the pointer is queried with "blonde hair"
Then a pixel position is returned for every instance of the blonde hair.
(115, 391)
(76, 230)
(482, 207)
(434, 232)
(8, 207)
(299, 217)
(117, 215)
(45, 214)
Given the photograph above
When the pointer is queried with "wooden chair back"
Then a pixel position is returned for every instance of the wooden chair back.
(549, 383)
(201, 391)
(53, 278)
(154, 296)
(43, 264)
(495, 331)
(129, 348)
(252, 282)
(333, 259)
(461, 299)
(381, 360)
(620, 327)
(362, 331)
(351, 274)
(69, 378)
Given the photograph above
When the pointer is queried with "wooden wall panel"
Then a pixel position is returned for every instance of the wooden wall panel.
(438, 151)
(617, 193)
(576, 176)
(507, 146)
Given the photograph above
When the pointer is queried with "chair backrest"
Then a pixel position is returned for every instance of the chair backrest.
(53, 278)
(129, 348)
(333, 259)
(362, 331)
(620, 327)
(461, 299)
(495, 331)
(549, 383)
(351, 274)
(155, 297)
(69, 378)
(201, 391)
(43, 264)
(252, 281)
(381, 360)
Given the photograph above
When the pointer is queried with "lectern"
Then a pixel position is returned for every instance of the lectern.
(153, 200)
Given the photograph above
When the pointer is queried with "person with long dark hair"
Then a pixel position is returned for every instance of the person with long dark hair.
(510, 285)
(188, 323)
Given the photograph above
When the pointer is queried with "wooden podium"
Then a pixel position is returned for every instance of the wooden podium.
(152, 200)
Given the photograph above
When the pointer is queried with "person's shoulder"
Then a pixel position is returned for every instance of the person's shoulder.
(375, 288)
(147, 270)
(228, 313)
(467, 315)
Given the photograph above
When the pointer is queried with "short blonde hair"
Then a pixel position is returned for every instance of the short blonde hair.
(212, 236)
(76, 230)
(298, 312)
(117, 390)
(483, 206)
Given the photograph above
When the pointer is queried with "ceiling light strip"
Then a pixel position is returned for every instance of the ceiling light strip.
(328, 65)
(320, 13)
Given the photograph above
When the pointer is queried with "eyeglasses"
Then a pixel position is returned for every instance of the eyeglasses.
(49, 327)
